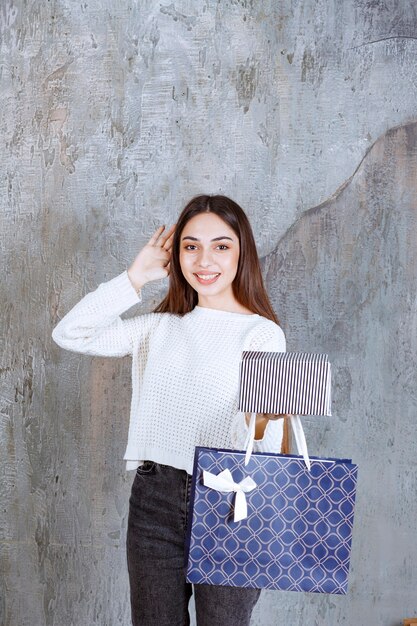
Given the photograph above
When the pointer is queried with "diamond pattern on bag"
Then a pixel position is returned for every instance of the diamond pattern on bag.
(298, 533)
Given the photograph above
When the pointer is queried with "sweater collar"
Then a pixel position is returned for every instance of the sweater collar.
(204, 310)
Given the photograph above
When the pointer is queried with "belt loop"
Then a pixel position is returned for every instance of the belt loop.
(189, 483)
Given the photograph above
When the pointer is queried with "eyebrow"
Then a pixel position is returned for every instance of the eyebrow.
(215, 239)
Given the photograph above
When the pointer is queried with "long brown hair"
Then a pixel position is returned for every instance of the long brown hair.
(248, 286)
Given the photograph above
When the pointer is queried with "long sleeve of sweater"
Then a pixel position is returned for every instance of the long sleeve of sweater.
(94, 326)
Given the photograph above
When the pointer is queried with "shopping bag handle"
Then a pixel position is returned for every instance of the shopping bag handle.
(299, 437)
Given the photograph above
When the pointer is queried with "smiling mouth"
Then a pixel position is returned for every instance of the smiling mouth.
(207, 278)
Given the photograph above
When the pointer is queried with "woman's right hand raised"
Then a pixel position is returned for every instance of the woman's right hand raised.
(153, 261)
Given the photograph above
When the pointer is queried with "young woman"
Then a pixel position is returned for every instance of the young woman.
(185, 377)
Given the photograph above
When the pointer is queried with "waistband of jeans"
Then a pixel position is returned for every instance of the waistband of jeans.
(172, 468)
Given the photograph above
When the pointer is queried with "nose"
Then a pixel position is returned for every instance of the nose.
(205, 258)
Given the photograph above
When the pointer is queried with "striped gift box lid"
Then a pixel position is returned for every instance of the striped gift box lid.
(298, 383)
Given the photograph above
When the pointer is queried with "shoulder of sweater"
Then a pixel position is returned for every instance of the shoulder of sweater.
(268, 335)
(270, 325)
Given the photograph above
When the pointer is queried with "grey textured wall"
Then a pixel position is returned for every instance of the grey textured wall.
(112, 115)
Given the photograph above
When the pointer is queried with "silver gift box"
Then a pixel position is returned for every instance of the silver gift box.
(298, 383)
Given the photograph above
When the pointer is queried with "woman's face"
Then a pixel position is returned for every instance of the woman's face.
(209, 254)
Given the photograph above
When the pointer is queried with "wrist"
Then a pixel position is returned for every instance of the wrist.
(260, 419)
(135, 283)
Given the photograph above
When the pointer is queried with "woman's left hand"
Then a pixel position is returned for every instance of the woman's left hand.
(262, 420)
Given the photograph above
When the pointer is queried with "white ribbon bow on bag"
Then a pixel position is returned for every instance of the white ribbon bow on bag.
(224, 483)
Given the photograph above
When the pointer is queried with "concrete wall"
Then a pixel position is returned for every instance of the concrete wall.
(112, 115)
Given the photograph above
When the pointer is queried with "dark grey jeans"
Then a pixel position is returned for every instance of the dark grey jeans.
(159, 593)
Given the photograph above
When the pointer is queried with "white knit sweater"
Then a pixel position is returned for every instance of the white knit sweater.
(185, 371)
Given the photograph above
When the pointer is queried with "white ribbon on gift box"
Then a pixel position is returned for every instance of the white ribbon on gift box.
(224, 483)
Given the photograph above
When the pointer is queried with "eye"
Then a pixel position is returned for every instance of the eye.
(192, 246)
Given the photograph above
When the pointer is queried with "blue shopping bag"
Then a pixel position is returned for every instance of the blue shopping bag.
(270, 521)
